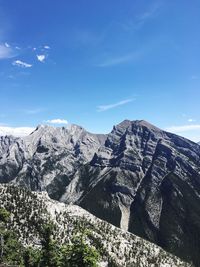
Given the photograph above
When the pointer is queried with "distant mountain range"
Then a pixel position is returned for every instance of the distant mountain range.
(138, 177)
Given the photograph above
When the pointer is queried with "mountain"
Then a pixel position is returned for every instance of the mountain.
(46, 158)
(29, 210)
(137, 177)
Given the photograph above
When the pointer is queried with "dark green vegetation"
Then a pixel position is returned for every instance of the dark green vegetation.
(50, 254)
(8, 240)
(10, 248)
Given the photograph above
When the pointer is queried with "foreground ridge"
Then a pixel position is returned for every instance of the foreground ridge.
(29, 209)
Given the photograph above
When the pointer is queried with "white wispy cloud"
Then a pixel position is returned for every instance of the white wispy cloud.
(189, 131)
(120, 59)
(7, 45)
(115, 105)
(191, 120)
(47, 47)
(21, 64)
(16, 131)
(57, 121)
(183, 128)
(33, 111)
(137, 22)
(41, 58)
(149, 13)
(6, 52)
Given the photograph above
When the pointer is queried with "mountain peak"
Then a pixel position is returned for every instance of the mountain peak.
(136, 123)
(43, 127)
(124, 124)
(74, 128)
(146, 124)
(69, 127)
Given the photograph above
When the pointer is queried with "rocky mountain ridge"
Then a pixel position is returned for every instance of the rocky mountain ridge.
(137, 177)
(49, 152)
(28, 210)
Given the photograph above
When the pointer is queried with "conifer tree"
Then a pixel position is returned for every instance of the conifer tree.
(50, 251)
(80, 253)
(4, 215)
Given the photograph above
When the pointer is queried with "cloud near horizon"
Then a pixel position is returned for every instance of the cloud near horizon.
(115, 105)
(189, 131)
(183, 128)
(57, 121)
(16, 131)
(191, 120)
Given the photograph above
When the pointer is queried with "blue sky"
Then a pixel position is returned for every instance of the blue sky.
(96, 63)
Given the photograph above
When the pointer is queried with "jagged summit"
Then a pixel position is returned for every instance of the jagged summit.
(127, 123)
(146, 124)
(45, 130)
(72, 128)
(130, 125)
(123, 124)
(69, 129)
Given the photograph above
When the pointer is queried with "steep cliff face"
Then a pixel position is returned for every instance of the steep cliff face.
(146, 181)
(138, 177)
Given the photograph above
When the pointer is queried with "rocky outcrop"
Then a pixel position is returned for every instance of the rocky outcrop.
(138, 177)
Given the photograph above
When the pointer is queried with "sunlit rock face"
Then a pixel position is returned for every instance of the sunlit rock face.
(138, 177)
(47, 158)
